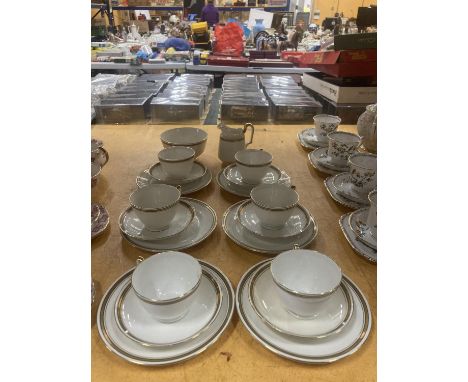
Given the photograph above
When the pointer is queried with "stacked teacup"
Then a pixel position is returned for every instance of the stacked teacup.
(302, 294)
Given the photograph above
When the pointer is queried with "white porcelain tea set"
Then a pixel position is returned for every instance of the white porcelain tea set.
(316, 137)
(167, 309)
(271, 221)
(171, 307)
(177, 164)
(251, 168)
(360, 228)
(99, 215)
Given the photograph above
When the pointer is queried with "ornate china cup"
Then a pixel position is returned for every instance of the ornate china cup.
(274, 204)
(304, 279)
(177, 161)
(341, 145)
(94, 149)
(363, 169)
(165, 283)
(95, 171)
(325, 124)
(186, 136)
(372, 216)
(155, 205)
(253, 164)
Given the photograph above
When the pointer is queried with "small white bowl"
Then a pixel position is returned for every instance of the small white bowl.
(186, 136)
(304, 279)
(155, 205)
(177, 161)
(273, 204)
(253, 164)
(325, 124)
(165, 283)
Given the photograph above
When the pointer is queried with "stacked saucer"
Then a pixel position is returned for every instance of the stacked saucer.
(351, 188)
(160, 219)
(167, 309)
(301, 307)
(271, 221)
(252, 167)
(360, 229)
(177, 164)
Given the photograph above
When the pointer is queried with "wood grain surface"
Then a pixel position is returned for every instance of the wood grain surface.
(236, 356)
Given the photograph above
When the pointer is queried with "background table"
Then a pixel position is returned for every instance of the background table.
(236, 356)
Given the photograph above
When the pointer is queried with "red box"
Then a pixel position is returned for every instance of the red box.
(228, 61)
(345, 63)
(291, 56)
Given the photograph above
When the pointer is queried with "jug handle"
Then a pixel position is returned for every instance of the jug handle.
(252, 132)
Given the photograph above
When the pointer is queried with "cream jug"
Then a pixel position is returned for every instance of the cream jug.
(232, 140)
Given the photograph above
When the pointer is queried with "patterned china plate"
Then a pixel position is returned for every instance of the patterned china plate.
(357, 221)
(308, 140)
(325, 160)
(98, 227)
(312, 351)
(359, 247)
(330, 186)
(248, 240)
(313, 160)
(118, 343)
(144, 178)
(202, 226)
(345, 188)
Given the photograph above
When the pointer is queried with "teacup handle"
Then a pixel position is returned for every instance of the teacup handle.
(251, 134)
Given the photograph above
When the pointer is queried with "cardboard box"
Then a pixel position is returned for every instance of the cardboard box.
(356, 41)
(340, 94)
(345, 63)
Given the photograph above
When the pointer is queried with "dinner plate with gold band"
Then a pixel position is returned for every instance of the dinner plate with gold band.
(312, 351)
(132, 351)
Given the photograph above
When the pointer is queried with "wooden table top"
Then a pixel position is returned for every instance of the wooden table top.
(133, 148)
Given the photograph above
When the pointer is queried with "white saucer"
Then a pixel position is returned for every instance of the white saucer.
(312, 351)
(330, 186)
(314, 161)
(248, 240)
(202, 225)
(135, 321)
(295, 225)
(144, 178)
(308, 139)
(197, 172)
(130, 350)
(132, 226)
(325, 160)
(100, 225)
(334, 313)
(233, 175)
(244, 190)
(357, 222)
(345, 188)
(359, 247)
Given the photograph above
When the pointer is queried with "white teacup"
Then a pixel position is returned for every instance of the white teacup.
(166, 284)
(273, 204)
(372, 216)
(177, 162)
(155, 205)
(253, 164)
(304, 279)
(363, 169)
(325, 124)
(341, 145)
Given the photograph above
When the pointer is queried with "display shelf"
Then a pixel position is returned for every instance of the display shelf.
(144, 66)
(239, 69)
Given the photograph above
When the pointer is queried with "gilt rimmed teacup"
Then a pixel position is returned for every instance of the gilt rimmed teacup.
(253, 164)
(95, 171)
(95, 149)
(177, 161)
(304, 279)
(155, 205)
(372, 215)
(341, 145)
(273, 204)
(324, 125)
(363, 170)
(166, 283)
